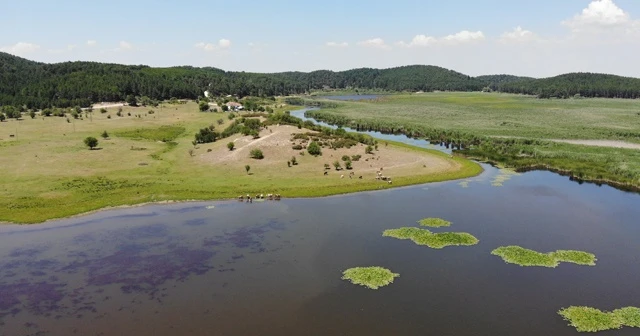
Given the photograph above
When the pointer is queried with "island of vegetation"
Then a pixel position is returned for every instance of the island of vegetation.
(370, 277)
(434, 222)
(587, 319)
(525, 257)
(64, 162)
(430, 239)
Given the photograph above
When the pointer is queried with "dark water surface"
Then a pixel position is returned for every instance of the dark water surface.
(274, 268)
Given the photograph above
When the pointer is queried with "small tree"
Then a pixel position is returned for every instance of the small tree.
(294, 161)
(368, 150)
(203, 106)
(2, 117)
(348, 165)
(327, 166)
(103, 110)
(32, 115)
(231, 145)
(337, 165)
(131, 100)
(314, 149)
(247, 168)
(91, 142)
(104, 134)
(346, 158)
(256, 154)
(220, 121)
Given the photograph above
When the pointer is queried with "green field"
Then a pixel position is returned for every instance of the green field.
(513, 130)
(494, 114)
(47, 171)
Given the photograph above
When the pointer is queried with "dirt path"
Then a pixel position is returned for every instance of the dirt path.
(601, 143)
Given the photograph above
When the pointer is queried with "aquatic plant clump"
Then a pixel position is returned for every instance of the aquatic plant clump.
(587, 319)
(370, 277)
(525, 257)
(430, 239)
(434, 222)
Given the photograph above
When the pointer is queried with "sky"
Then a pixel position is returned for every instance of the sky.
(529, 38)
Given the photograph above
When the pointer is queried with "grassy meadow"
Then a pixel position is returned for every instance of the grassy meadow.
(48, 172)
(495, 114)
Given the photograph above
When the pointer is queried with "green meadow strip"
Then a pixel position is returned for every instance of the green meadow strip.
(370, 277)
(525, 257)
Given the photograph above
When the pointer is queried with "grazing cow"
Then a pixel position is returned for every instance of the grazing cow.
(389, 182)
(326, 173)
(360, 177)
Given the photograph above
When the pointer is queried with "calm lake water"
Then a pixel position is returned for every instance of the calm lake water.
(274, 268)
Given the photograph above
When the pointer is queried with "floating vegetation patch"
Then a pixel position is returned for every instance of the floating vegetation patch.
(370, 277)
(430, 239)
(504, 176)
(464, 184)
(434, 222)
(525, 257)
(587, 319)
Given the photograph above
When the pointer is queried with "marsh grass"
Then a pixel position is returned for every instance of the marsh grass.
(163, 133)
(587, 319)
(434, 222)
(370, 277)
(525, 257)
(433, 240)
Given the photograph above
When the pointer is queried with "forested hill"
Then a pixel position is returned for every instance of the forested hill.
(39, 85)
(570, 85)
(494, 81)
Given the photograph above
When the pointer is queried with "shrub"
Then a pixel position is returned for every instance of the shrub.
(247, 168)
(104, 134)
(347, 165)
(368, 150)
(104, 110)
(151, 112)
(2, 117)
(327, 166)
(256, 154)
(91, 142)
(32, 115)
(231, 146)
(356, 157)
(203, 106)
(297, 147)
(109, 116)
(294, 161)
(314, 149)
(346, 158)
(337, 165)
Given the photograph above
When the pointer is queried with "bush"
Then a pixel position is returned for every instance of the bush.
(337, 165)
(356, 157)
(104, 110)
(231, 146)
(2, 117)
(296, 147)
(109, 116)
(207, 135)
(314, 149)
(294, 161)
(368, 150)
(91, 142)
(346, 158)
(256, 154)
(327, 166)
(119, 114)
(32, 115)
(104, 134)
(348, 165)
(152, 112)
(203, 106)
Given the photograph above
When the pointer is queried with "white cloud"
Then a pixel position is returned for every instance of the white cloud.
(337, 44)
(374, 43)
(518, 35)
(92, 43)
(20, 48)
(419, 41)
(124, 45)
(222, 44)
(464, 36)
(599, 13)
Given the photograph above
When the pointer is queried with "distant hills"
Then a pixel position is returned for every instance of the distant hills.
(40, 85)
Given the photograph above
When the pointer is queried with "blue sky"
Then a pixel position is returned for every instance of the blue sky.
(535, 38)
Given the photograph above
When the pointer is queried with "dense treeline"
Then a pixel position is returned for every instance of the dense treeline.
(494, 81)
(573, 84)
(40, 85)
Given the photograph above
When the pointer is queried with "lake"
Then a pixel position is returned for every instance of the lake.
(274, 267)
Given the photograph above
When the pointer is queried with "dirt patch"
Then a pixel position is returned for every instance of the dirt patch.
(276, 145)
(601, 143)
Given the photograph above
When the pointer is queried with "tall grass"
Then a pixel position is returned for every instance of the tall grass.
(525, 257)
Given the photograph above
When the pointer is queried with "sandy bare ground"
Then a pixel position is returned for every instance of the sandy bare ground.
(276, 144)
(601, 143)
(107, 105)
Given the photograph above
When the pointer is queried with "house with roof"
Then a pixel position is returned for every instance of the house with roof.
(233, 106)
